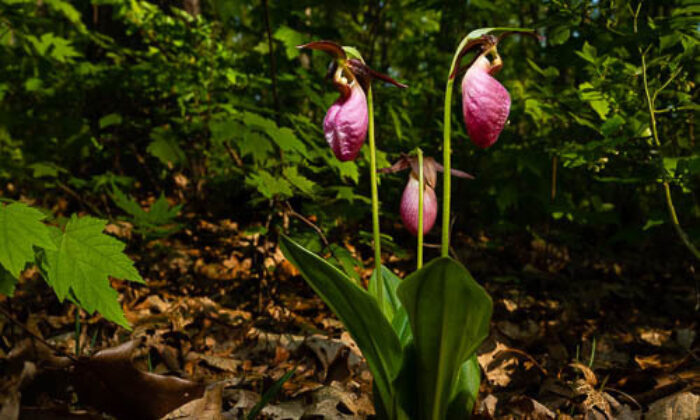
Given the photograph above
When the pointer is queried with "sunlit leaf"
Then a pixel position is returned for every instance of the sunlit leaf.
(21, 229)
(83, 261)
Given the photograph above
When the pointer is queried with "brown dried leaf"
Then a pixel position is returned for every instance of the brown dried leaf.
(206, 408)
(109, 381)
(587, 373)
(530, 409)
(222, 363)
(685, 405)
(654, 336)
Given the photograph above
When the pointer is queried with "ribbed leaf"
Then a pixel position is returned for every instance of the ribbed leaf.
(465, 391)
(82, 263)
(359, 313)
(391, 281)
(449, 315)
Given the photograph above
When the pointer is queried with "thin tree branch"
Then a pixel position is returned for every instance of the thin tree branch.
(35, 336)
(273, 63)
(667, 187)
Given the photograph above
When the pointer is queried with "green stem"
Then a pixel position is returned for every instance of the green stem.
(421, 186)
(446, 162)
(375, 200)
(447, 152)
(667, 187)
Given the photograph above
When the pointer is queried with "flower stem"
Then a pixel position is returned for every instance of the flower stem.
(375, 201)
(446, 161)
(421, 186)
(447, 151)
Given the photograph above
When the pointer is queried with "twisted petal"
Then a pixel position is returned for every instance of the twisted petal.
(485, 104)
(345, 124)
(409, 207)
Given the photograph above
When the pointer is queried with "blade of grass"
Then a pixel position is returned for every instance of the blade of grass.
(270, 394)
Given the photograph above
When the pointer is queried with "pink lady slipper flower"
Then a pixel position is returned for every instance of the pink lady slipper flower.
(346, 122)
(410, 198)
(410, 201)
(485, 102)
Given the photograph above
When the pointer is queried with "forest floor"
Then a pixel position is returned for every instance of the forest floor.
(587, 339)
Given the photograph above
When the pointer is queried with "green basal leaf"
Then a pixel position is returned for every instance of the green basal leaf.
(401, 326)
(358, 311)
(465, 391)
(391, 303)
(449, 314)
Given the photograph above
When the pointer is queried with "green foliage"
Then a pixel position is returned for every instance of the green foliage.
(21, 230)
(82, 263)
(425, 370)
(391, 304)
(270, 394)
(465, 390)
(449, 314)
(159, 220)
(76, 261)
(165, 148)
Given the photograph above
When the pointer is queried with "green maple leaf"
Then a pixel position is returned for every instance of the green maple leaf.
(82, 263)
(21, 230)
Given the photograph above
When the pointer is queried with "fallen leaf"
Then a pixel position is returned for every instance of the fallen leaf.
(289, 410)
(685, 405)
(487, 406)
(531, 409)
(109, 381)
(206, 408)
(654, 336)
(226, 364)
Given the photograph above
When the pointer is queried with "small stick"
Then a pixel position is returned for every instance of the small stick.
(35, 336)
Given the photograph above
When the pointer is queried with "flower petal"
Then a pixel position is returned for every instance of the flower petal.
(485, 104)
(409, 207)
(345, 124)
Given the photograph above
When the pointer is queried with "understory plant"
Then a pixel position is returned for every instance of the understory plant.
(419, 334)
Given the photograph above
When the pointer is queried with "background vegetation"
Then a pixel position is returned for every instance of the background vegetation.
(105, 101)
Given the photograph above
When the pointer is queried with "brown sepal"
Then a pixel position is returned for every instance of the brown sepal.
(330, 47)
(482, 44)
(430, 169)
(364, 74)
